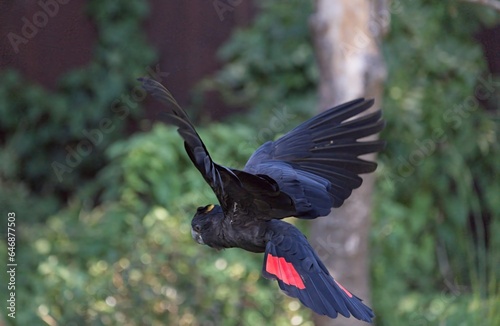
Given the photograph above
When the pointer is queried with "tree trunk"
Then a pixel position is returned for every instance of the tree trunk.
(346, 35)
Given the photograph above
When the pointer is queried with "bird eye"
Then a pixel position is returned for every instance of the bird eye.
(197, 227)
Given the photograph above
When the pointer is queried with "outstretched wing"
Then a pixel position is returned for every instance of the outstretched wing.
(291, 261)
(234, 188)
(317, 164)
(216, 176)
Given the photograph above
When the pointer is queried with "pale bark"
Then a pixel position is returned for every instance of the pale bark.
(347, 35)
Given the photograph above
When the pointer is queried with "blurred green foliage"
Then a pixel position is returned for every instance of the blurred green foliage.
(271, 64)
(111, 244)
(132, 261)
(434, 204)
(437, 224)
(44, 128)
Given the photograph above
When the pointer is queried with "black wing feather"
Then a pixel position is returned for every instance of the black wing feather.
(216, 176)
(305, 173)
(253, 193)
(327, 147)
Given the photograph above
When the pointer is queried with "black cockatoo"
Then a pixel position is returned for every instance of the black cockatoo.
(303, 174)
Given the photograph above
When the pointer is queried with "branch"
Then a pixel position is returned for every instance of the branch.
(493, 4)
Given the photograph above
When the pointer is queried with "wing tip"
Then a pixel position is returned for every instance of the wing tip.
(148, 84)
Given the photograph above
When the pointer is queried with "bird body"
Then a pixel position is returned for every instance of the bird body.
(229, 232)
(304, 174)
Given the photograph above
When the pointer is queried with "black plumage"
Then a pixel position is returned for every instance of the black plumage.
(305, 173)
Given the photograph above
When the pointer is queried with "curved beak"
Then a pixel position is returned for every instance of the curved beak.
(197, 237)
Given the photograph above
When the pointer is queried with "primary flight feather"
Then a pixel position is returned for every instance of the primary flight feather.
(304, 174)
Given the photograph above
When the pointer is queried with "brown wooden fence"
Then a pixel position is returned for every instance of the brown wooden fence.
(185, 33)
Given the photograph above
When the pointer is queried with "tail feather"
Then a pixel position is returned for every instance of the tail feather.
(291, 261)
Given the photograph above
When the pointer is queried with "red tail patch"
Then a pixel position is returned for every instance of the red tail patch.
(344, 289)
(284, 270)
